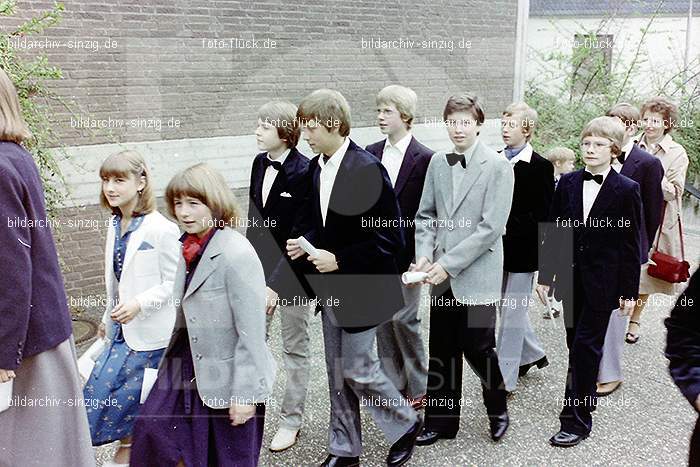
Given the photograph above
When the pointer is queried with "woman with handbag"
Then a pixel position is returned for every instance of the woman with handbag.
(659, 117)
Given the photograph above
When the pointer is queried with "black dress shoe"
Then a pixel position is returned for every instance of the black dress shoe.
(339, 461)
(427, 437)
(541, 363)
(498, 425)
(564, 439)
(402, 450)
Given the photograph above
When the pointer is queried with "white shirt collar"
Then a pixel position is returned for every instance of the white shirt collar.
(628, 147)
(281, 158)
(337, 156)
(401, 145)
(524, 155)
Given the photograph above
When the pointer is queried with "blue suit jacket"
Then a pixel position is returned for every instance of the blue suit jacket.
(34, 313)
(366, 289)
(604, 254)
(646, 170)
(270, 226)
(408, 189)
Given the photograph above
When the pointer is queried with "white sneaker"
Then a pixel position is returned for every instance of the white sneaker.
(285, 438)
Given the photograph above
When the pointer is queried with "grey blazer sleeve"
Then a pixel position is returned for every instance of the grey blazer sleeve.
(426, 217)
(253, 372)
(491, 227)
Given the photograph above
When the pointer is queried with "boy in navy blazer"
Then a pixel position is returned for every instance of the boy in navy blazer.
(399, 343)
(593, 248)
(645, 169)
(519, 349)
(353, 222)
(278, 188)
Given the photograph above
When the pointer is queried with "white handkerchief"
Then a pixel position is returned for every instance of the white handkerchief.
(285, 195)
(86, 363)
(149, 379)
(5, 395)
(308, 247)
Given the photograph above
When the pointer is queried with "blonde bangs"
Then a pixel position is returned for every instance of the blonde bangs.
(207, 185)
(126, 164)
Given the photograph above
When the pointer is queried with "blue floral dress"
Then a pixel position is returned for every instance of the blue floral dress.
(114, 387)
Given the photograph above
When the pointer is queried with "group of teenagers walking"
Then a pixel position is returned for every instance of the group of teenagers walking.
(193, 299)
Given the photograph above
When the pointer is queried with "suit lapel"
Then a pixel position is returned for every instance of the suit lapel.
(280, 180)
(607, 193)
(446, 190)
(576, 199)
(135, 239)
(207, 264)
(258, 182)
(631, 164)
(471, 175)
(409, 161)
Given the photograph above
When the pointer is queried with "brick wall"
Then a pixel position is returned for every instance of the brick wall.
(162, 87)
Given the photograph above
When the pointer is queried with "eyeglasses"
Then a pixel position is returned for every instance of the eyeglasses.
(596, 145)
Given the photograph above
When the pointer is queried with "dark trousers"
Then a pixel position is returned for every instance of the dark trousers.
(455, 330)
(694, 454)
(585, 336)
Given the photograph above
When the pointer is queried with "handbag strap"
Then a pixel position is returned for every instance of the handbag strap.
(680, 231)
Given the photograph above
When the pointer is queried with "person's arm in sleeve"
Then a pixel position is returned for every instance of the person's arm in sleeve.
(491, 226)
(15, 257)
(426, 217)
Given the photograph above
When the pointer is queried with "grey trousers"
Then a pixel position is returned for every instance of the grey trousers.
(294, 325)
(401, 350)
(610, 368)
(355, 377)
(517, 343)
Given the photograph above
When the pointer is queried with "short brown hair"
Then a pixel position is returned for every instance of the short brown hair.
(12, 125)
(606, 127)
(283, 116)
(201, 181)
(464, 103)
(560, 154)
(628, 113)
(666, 108)
(528, 116)
(401, 97)
(328, 107)
(125, 164)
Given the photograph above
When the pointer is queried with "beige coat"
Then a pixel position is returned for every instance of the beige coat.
(675, 162)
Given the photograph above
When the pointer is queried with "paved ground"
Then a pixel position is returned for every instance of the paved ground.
(647, 421)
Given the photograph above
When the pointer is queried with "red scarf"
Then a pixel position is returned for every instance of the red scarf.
(193, 244)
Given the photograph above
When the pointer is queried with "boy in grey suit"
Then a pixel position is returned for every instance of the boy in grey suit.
(461, 219)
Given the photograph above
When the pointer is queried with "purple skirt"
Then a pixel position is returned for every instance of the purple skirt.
(173, 424)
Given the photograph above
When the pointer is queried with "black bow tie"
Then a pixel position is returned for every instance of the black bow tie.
(277, 165)
(596, 178)
(453, 158)
(622, 157)
(325, 159)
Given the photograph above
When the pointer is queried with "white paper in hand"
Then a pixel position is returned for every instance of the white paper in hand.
(86, 363)
(5, 395)
(307, 247)
(412, 277)
(149, 379)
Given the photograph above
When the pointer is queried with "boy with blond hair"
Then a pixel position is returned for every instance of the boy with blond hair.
(597, 213)
(399, 342)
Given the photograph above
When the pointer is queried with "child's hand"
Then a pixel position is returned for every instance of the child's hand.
(542, 292)
(627, 307)
(436, 274)
(324, 262)
(293, 249)
(421, 265)
(270, 301)
(241, 413)
(125, 312)
(6, 375)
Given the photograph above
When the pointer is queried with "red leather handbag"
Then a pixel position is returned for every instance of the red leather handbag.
(669, 268)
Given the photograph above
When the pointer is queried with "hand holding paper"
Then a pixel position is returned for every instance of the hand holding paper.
(308, 247)
(324, 261)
